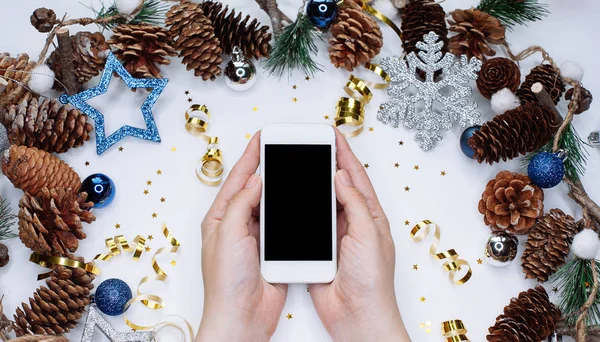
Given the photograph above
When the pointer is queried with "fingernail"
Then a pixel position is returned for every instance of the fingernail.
(344, 177)
(252, 181)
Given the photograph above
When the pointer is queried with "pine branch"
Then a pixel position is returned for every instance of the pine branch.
(151, 12)
(574, 280)
(7, 219)
(514, 12)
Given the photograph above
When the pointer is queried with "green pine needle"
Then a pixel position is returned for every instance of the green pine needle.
(7, 219)
(152, 12)
(570, 280)
(514, 12)
(294, 49)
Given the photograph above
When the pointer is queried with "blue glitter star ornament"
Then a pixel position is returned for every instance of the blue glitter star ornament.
(79, 101)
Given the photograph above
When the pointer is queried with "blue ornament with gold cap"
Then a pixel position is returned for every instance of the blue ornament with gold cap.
(322, 13)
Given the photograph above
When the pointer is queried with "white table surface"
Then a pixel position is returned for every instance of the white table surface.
(569, 33)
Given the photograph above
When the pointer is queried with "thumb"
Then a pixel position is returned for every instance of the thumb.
(234, 225)
(361, 225)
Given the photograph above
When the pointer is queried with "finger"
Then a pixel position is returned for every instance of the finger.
(234, 225)
(347, 160)
(360, 222)
(235, 182)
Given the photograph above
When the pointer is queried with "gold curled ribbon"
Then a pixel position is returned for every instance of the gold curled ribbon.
(161, 325)
(209, 169)
(113, 247)
(49, 261)
(383, 18)
(454, 331)
(451, 261)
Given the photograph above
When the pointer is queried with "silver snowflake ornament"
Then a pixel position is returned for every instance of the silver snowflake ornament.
(435, 106)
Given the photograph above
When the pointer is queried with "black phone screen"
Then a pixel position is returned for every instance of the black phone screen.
(298, 206)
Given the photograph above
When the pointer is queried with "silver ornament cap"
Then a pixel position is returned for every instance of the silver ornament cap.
(240, 72)
(501, 249)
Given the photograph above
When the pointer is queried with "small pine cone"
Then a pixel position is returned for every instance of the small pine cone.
(47, 125)
(12, 69)
(89, 56)
(194, 38)
(4, 258)
(356, 37)
(475, 31)
(585, 99)
(141, 48)
(548, 245)
(496, 74)
(511, 203)
(548, 77)
(414, 16)
(529, 317)
(43, 19)
(232, 31)
(31, 170)
(517, 131)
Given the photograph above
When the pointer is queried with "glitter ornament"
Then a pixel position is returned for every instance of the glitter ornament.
(546, 169)
(501, 249)
(240, 72)
(464, 141)
(95, 320)
(112, 295)
(321, 13)
(100, 189)
(454, 106)
(113, 66)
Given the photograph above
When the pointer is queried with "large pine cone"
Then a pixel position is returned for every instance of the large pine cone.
(497, 74)
(518, 131)
(12, 69)
(194, 38)
(89, 56)
(511, 203)
(529, 317)
(548, 77)
(548, 245)
(51, 224)
(56, 307)
(475, 31)
(47, 125)
(141, 48)
(356, 37)
(232, 31)
(420, 17)
(31, 170)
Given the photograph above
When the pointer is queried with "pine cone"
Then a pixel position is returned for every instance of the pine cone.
(194, 38)
(233, 31)
(548, 245)
(12, 68)
(356, 37)
(518, 131)
(141, 48)
(43, 19)
(47, 125)
(420, 17)
(548, 77)
(475, 31)
(51, 224)
(56, 307)
(511, 202)
(585, 99)
(496, 74)
(31, 170)
(89, 56)
(529, 317)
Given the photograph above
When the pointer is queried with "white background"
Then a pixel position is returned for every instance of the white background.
(569, 33)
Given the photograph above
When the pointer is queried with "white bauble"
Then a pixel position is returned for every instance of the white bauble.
(126, 7)
(572, 70)
(586, 244)
(41, 80)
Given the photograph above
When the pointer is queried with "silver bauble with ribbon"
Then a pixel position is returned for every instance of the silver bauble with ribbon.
(240, 72)
(501, 249)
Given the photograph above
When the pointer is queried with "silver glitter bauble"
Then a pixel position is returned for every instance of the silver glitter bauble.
(501, 249)
(4, 143)
(240, 72)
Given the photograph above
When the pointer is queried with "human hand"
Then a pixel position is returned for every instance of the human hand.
(360, 303)
(239, 305)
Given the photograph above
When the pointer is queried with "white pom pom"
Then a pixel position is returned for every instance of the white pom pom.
(504, 100)
(127, 7)
(586, 244)
(572, 70)
(42, 79)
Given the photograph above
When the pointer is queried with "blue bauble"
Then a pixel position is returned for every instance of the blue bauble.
(546, 169)
(100, 189)
(464, 141)
(111, 296)
(321, 12)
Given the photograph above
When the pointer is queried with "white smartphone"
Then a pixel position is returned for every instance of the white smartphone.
(298, 207)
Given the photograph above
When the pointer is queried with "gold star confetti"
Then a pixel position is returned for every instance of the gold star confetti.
(479, 261)
(371, 129)
(396, 165)
(147, 249)
(415, 267)
(162, 200)
(422, 299)
(587, 284)
(247, 136)
(294, 99)
(380, 107)
(146, 192)
(428, 330)
(366, 165)
(189, 99)
(87, 163)
(149, 182)
(400, 142)
(154, 215)
(255, 109)
(406, 223)
(416, 167)
(173, 262)
(443, 173)
(294, 87)
(307, 78)
(289, 316)
(406, 188)
(117, 226)
(555, 289)
(173, 149)
(159, 172)
(187, 92)
(426, 326)
(150, 237)
(326, 117)
(120, 148)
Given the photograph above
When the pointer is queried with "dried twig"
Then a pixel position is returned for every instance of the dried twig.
(593, 331)
(278, 19)
(65, 55)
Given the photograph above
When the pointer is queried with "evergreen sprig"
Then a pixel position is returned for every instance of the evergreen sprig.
(513, 12)
(152, 12)
(7, 219)
(574, 281)
(294, 49)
